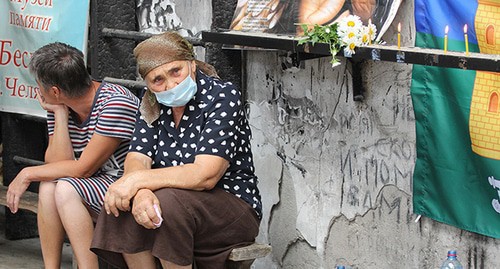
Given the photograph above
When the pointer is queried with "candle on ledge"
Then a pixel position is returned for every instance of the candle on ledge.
(399, 35)
(466, 41)
(369, 32)
(446, 39)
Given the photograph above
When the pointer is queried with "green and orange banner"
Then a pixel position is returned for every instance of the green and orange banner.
(457, 173)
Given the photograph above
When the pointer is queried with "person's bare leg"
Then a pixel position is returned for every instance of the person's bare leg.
(169, 265)
(50, 228)
(77, 223)
(141, 260)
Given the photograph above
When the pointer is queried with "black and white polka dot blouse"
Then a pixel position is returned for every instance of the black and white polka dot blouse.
(213, 123)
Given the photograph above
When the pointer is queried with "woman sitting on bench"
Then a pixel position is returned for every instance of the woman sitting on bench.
(189, 170)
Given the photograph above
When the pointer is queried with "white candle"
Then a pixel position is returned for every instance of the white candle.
(446, 39)
(466, 41)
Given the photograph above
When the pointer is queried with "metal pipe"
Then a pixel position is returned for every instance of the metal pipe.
(33, 118)
(375, 52)
(127, 83)
(26, 161)
(139, 36)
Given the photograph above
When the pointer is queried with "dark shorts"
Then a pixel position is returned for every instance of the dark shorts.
(198, 227)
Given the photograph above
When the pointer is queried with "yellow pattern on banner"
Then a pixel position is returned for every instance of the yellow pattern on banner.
(484, 122)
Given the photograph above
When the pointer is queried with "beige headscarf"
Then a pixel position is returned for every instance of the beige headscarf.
(159, 50)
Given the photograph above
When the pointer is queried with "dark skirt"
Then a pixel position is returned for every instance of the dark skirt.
(199, 227)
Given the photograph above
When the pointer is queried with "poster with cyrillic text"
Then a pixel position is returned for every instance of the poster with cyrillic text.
(27, 25)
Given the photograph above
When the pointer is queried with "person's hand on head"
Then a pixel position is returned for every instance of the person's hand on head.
(50, 107)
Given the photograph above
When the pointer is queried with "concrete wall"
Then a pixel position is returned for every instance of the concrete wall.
(336, 175)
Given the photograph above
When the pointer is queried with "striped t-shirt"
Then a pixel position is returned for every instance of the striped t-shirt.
(113, 115)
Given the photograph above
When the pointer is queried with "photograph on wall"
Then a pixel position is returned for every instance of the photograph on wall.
(286, 16)
(159, 16)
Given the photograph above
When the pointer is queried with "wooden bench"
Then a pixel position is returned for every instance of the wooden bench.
(242, 258)
(239, 258)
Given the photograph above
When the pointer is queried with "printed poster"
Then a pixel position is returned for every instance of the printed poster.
(285, 16)
(26, 26)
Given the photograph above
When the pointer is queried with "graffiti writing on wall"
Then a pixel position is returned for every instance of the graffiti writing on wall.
(389, 161)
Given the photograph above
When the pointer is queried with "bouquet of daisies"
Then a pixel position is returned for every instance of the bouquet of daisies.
(347, 33)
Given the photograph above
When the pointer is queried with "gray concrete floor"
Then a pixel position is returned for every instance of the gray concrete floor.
(25, 253)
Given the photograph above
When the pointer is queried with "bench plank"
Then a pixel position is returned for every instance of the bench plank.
(250, 252)
(29, 200)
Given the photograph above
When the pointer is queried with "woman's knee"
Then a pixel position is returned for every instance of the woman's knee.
(169, 199)
(176, 210)
(46, 188)
(64, 193)
(46, 192)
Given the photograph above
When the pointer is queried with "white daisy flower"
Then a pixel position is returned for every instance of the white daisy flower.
(335, 63)
(352, 33)
(350, 23)
(365, 35)
(350, 45)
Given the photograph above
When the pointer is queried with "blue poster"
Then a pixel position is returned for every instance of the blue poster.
(26, 26)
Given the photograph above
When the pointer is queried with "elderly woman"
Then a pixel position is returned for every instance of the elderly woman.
(189, 193)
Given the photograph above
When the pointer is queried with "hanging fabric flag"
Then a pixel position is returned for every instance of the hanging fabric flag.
(457, 173)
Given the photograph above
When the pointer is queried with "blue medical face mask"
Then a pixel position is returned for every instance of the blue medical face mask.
(179, 95)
